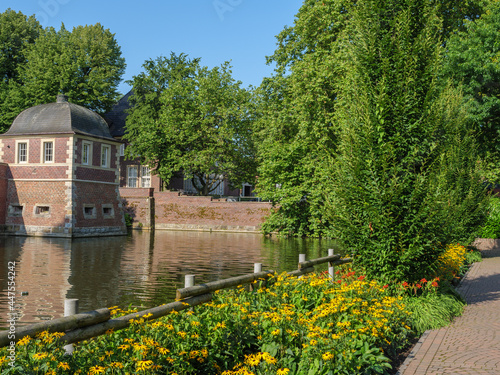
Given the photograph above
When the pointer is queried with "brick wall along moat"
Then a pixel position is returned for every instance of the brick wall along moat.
(177, 212)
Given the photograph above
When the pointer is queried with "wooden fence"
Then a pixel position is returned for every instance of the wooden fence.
(83, 326)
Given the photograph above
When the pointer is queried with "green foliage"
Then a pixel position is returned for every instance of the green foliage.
(128, 220)
(491, 228)
(296, 118)
(297, 111)
(472, 59)
(17, 32)
(404, 177)
(472, 256)
(85, 64)
(192, 119)
(38, 64)
(433, 310)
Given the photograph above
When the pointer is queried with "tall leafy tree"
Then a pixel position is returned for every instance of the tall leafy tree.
(298, 104)
(192, 119)
(85, 64)
(17, 32)
(404, 178)
(295, 123)
(473, 60)
(154, 80)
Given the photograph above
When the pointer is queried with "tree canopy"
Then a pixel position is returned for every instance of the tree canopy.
(37, 64)
(297, 126)
(473, 61)
(191, 119)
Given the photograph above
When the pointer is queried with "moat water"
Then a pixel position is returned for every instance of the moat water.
(142, 269)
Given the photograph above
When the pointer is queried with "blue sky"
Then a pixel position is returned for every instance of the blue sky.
(242, 31)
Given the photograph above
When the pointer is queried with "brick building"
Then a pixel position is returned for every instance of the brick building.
(60, 174)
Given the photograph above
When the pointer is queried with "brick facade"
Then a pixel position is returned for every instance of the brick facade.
(175, 211)
(62, 198)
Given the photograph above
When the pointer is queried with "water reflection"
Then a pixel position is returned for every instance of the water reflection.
(141, 269)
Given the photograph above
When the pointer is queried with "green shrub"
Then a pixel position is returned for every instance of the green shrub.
(491, 228)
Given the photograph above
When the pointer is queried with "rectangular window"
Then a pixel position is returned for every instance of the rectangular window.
(132, 177)
(122, 149)
(22, 152)
(86, 153)
(105, 156)
(89, 211)
(145, 177)
(107, 211)
(43, 211)
(48, 152)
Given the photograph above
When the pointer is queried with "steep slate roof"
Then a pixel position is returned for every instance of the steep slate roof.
(117, 116)
(61, 117)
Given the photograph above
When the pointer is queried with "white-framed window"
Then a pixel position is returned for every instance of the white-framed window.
(22, 152)
(122, 149)
(86, 153)
(145, 176)
(48, 152)
(132, 176)
(105, 156)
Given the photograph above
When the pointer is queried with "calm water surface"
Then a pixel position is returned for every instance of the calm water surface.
(142, 269)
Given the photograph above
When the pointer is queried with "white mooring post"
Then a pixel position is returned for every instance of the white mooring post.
(189, 281)
(302, 258)
(331, 267)
(257, 267)
(70, 308)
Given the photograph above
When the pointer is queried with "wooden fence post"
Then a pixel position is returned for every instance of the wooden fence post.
(331, 267)
(70, 308)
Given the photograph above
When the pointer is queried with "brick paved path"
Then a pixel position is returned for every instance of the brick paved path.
(471, 344)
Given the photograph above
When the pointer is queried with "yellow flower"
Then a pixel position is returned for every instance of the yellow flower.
(276, 332)
(252, 359)
(63, 365)
(327, 356)
(97, 370)
(38, 356)
(116, 365)
(282, 371)
(144, 365)
(24, 341)
(123, 347)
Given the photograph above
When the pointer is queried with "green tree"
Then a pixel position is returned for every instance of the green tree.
(192, 119)
(297, 107)
(149, 85)
(296, 118)
(85, 64)
(404, 180)
(473, 60)
(17, 32)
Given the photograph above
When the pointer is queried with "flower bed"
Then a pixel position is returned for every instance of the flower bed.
(290, 326)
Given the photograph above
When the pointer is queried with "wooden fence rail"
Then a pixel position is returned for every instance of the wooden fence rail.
(94, 323)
